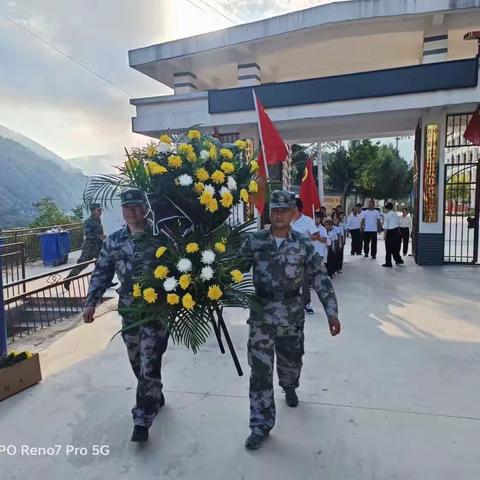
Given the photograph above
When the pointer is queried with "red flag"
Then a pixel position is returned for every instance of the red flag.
(472, 132)
(309, 192)
(273, 146)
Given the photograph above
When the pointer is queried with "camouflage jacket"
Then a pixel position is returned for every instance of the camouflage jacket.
(278, 276)
(129, 256)
(92, 232)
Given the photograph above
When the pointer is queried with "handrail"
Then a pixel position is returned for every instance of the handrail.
(34, 229)
(48, 274)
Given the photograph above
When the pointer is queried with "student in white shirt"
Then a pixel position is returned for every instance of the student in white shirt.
(341, 242)
(405, 229)
(391, 225)
(303, 224)
(321, 245)
(332, 240)
(370, 225)
(354, 223)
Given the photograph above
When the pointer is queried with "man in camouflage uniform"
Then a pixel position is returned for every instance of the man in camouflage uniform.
(129, 252)
(279, 257)
(92, 241)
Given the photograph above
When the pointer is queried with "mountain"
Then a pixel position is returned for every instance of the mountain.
(30, 172)
(95, 164)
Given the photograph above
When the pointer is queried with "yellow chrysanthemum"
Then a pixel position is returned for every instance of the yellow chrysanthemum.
(212, 206)
(161, 272)
(226, 153)
(218, 177)
(214, 292)
(137, 290)
(213, 153)
(202, 174)
(185, 281)
(220, 247)
(183, 148)
(192, 157)
(28, 354)
(192, 247)
(253, 166)
(150, 295)
(173, 299)
(237, 276)
(153, 168)
(131, 164)
(206, 197)
(227, 199)
(253, 186)
(188, 302)
(227, 167)
(198, 187)
(174, 161)
(244, 195)
(160, 251)
(151, 150)
(194, 134)
(241, 144)
(165, 138)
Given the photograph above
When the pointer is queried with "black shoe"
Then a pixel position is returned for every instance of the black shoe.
(366, 255)
(352, 253)
(401, 262)
(309, 309)
(291, 397)
(255, 440)
(389, 265)
(140, 434)
(373, 257)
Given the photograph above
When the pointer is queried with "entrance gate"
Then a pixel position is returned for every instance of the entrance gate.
(462, 196)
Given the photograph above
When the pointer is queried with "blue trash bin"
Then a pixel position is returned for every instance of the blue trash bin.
(54, 247)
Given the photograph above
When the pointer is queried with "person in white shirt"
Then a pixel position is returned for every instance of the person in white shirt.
(405, 228)
(332, 241)
(391, 225)
(370, 225)
(354, 223)
(341, 242)
(321, 245)
(303, 224)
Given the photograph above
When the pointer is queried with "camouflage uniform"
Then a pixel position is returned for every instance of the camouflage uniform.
(129, 255)
(278, 276)
(92, 244)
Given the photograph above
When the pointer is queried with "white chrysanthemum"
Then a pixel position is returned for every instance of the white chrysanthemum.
(231, 183)
(185, 180)
(170, 284)
(163, 147)
(184, 265)
(210, 189)
(204, 154)
(206, 274)
(224, 190)
(208, 257)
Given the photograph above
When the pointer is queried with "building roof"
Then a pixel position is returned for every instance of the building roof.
(336, 38)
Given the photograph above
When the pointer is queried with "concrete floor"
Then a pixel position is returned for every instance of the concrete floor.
(395, 396)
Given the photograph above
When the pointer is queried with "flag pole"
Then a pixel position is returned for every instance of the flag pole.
(259, 125)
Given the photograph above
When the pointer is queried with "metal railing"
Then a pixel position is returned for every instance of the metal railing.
(13, 267)
(45, 301)
(29, 236)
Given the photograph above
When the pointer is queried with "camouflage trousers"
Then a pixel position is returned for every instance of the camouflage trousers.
(266, 340)
(89, 252)
(145, 346)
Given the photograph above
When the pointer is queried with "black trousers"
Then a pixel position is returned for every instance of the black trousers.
(340, 258)
(392, 245)
(356, 241)
(405, 233)
(331, 263)
(370, 238)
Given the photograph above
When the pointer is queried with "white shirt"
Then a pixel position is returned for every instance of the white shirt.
(321, 248)
(305, 225)
(371, 218)
(405, 222)
(354, 221)
(391, 220)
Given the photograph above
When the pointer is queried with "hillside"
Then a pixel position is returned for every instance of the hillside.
(29, 172)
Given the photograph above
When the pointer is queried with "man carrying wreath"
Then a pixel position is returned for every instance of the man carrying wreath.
(279, 257)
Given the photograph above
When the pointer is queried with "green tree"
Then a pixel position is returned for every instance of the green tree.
(458, 188)
(77, 214)
(48, 213)
(299, 160)
(339, 172)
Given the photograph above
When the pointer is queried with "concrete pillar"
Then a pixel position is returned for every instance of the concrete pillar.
(249, 75)
(184, 82)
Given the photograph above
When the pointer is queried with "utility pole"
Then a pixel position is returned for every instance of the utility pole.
(320, 173)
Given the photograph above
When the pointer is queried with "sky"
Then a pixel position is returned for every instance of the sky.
(72, 112)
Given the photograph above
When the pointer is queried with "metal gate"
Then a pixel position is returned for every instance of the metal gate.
(461, 199)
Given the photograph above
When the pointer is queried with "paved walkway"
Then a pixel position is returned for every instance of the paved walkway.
(395, 396)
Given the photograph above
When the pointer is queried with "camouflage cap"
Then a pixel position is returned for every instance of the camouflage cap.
(94, 206)
(132, 196)
(282, 199)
